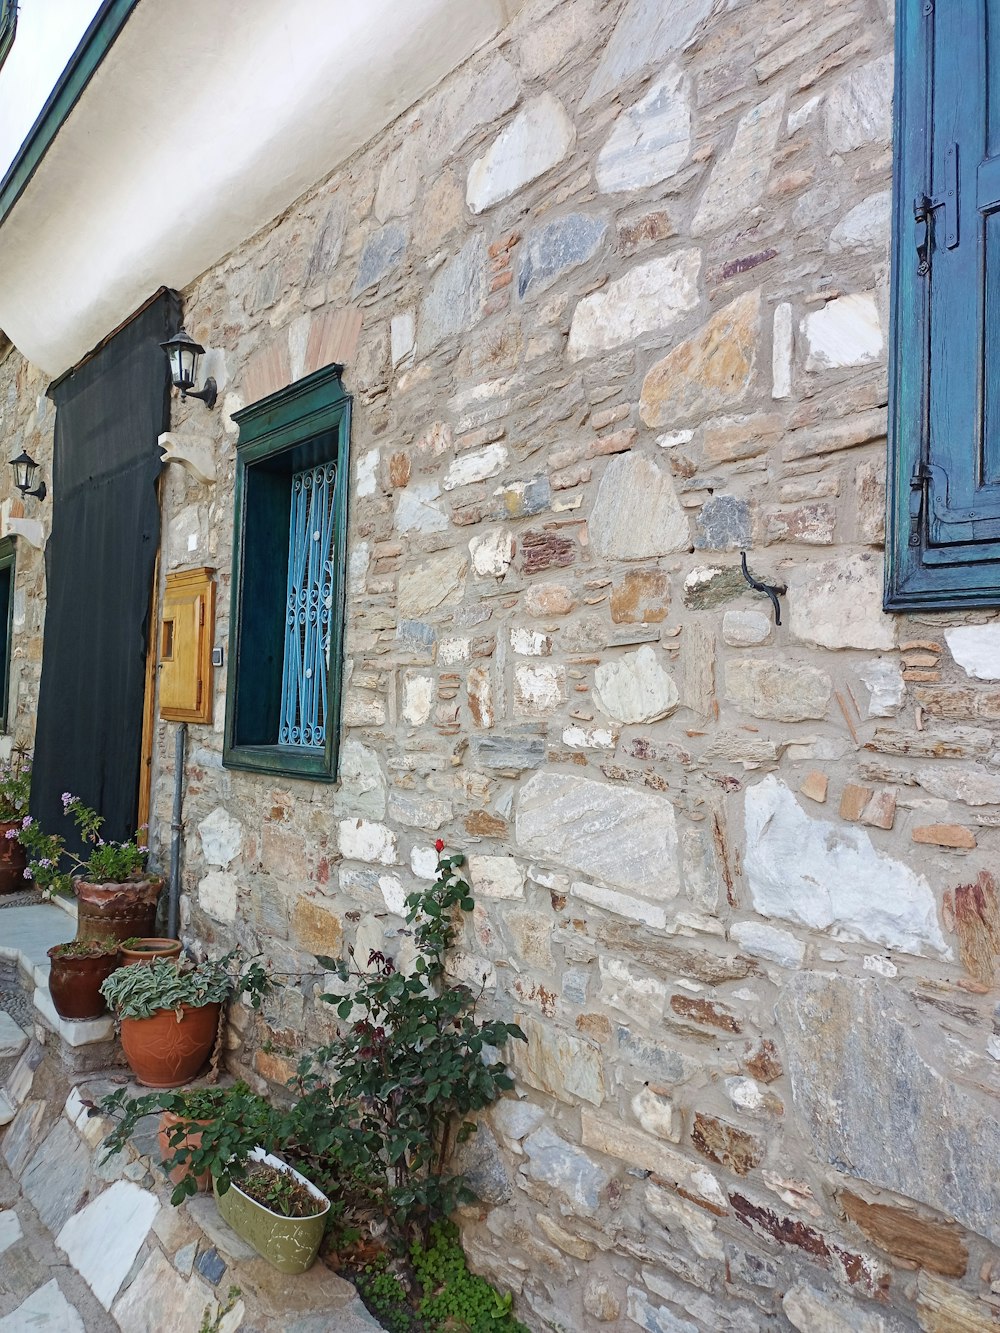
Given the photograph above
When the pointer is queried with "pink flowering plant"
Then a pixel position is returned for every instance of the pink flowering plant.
(53, 867)
(15, 787)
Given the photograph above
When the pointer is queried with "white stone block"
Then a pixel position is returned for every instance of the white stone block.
(102, 1240)
(829, 876)
(496, 877)
(846, 332)
(635, 687)
(976, 649)
(364, 840)
(538, 137)
(218, 896)
(221, 837)
(781, 352)
(650, 298)
(621, 904)
(650, 140)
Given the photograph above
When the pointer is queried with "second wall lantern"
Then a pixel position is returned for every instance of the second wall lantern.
(184, 352)
(25, 474)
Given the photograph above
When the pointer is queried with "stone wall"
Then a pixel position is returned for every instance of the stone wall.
(613, 303)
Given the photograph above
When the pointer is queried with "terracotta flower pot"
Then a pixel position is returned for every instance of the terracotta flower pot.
(192, 1139)
(147, 949)
(13, 859)
(118, 911)
(75, 983)
(169, 1048)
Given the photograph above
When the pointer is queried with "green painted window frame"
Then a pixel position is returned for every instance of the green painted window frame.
(8, 27)
(307, 423)
(7, 569)
(923, 572)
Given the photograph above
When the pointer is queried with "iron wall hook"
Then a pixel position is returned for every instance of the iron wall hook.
(772, 590)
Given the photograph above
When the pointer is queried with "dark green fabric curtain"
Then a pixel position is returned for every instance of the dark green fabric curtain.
(99, 569)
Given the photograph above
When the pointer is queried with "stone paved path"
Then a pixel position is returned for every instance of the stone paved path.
(39, 1291)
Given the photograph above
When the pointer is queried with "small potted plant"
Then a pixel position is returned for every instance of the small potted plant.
(276, 1210)
(204, 1133)
(114, 894)
(136, 950)
(15, 788)
(169, 1014)
(78, 970)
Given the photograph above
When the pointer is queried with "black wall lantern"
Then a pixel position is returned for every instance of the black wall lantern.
(25, 472)
(184, 352)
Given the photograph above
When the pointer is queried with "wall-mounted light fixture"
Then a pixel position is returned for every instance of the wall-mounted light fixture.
(184, 352)
(25, 473)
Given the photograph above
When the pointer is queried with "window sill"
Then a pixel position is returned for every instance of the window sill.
(288, 761)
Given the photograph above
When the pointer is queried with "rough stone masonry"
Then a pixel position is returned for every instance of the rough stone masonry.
(622, 291)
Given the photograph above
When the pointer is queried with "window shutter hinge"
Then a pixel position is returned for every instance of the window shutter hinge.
(924, 208)
(918, 498)
(201, 611)
(198, 699)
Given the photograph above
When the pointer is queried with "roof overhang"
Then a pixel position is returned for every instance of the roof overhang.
(196, 126)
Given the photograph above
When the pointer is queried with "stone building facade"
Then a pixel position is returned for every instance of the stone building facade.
(613, 302)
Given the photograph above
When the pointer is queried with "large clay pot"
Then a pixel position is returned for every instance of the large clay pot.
(13, 859)
(192, 1139)
(118, 911)
(145, 950)
(168, 1049)
(75, 983)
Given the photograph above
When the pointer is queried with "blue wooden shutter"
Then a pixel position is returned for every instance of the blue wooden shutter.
(944, 539)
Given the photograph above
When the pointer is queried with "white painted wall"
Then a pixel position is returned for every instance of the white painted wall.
(203, 123)
(48, 32)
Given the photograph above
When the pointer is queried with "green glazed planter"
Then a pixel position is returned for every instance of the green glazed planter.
(290, 1244)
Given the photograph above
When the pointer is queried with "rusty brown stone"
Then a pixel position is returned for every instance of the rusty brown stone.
(705, 1011)
(641, 596)
(815, 785)
(271, 1066)
(762, 1061)
(977, 924)
(790, 1231)
(638, 233)
(484, 824)
(546, 550)
(317, 930)
(948, 702)
(945, 835)
(726, 1144)
(936, 1245)
(597, 1026)
(853, 801)
(399, 470)
(880, 812)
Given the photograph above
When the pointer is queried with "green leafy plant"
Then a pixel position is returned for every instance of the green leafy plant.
(143, 989)
(382, 1106)
(53, 866)
(85, 949)
(212, 1324)
(445, 1294)
(238, 1120)
(15, 788)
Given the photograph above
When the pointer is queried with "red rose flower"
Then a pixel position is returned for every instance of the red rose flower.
(439, 845)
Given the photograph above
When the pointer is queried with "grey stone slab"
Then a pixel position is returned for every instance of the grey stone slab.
(211, 1265)
(12, 1038)
(204, 1213)
(383, 251)
(45, 1311)
(724, 524)
(647, 32)
(455, 298)
(876, 1104)
(510, 752)
(58, 1176)
(19, 1140)
(557, 247)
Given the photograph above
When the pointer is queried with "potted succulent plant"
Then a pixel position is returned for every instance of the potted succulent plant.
(169, 1014)
(15, 788)
(115, 895)
(276, 1210)
(78, 969)
(136, 950)
(204, 1133)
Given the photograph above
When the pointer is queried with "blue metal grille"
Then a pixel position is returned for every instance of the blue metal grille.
(308, 607)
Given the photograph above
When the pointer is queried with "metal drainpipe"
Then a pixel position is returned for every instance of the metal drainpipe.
(176, 828)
